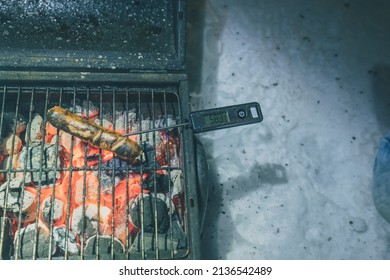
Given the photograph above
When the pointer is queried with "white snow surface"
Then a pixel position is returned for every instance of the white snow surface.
(298, 185)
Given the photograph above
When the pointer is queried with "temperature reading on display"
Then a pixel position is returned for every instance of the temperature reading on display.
(224, 117)
(221, 118)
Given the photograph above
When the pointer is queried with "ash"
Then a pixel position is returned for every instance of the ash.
(13, 191)
(43, 159)
(58, 209)
(59, 236)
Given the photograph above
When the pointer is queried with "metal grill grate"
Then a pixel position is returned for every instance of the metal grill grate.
(63, 198)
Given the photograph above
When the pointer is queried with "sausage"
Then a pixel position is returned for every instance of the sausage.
(93, 133)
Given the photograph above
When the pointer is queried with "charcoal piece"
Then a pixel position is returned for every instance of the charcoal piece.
(169, 149)
(36, 157)
(92, 219)
(106, 183)
(103, 247)
(117, 166)
(58, 210)
(12, 125)
(152, 137)
(15, 190)
(106, 112)
(6, 248)
(166, 121)
(11, 145)
(150, 155)
(171, 241)
(178, 232)
(149, 206)
(90, 224)
(157, 182)
(24, 242)
(174, 161)
(59, 236)
(148, 243)
(125, 123)
(80, 108)
(35, 129)
(177, 182)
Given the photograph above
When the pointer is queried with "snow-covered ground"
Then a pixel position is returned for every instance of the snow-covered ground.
(298, 185)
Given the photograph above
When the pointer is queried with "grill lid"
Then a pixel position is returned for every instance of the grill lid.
(92, 34)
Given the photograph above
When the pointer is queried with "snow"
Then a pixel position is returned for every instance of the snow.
(298, 185)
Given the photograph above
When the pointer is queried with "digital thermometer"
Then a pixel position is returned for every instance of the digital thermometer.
(224, 117)
(217, 118)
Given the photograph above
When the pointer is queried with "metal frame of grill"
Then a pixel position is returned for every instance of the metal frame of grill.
(153, 95)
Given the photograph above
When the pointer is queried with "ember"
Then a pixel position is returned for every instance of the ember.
(62, 195)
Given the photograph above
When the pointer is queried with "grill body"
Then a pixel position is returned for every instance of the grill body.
(121, 65)
(110, 218)
(88, 200)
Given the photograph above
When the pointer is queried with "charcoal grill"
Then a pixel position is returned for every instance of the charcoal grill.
(122, 65)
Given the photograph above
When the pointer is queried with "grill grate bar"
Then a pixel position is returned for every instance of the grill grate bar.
(113, 182)
(127, 233)
(52, 197)
(156, 233)
(24, 174)
(142, 194)
(82, 249)
(97, 247)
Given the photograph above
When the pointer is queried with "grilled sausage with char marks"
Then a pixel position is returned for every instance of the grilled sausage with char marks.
(93, 133)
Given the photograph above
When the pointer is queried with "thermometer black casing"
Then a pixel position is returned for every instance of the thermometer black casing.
(224, 117)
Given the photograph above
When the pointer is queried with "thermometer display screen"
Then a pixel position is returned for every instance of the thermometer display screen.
(220, 118)
(223, 117)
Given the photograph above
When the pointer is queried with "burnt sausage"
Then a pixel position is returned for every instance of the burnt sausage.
(93, 133)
